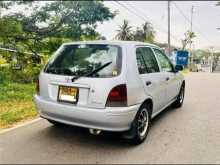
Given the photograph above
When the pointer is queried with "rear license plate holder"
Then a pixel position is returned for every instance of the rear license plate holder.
(68, 94)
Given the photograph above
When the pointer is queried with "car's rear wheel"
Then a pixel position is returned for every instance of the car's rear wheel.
(140, 126)
(180, 98)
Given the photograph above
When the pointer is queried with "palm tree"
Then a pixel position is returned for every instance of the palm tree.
(148, 32)
(145, 34)
(124, 32)
(138, 35)
(188, 39)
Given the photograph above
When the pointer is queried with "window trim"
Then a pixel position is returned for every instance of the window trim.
(150, 47)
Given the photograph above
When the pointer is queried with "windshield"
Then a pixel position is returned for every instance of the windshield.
(80, 60)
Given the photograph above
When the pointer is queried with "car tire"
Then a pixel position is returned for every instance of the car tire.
(140, 126)
(180, 98)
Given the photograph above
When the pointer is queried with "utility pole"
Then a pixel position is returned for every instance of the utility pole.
(169, 47)
(191, 24)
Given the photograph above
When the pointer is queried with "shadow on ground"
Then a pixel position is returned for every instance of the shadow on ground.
(81, 136)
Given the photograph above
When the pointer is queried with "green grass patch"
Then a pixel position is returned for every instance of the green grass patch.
(15, 91)
(16, 103)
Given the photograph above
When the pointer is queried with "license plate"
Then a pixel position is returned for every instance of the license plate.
(68, 94)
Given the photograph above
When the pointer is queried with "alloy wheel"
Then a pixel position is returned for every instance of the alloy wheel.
(143, 122)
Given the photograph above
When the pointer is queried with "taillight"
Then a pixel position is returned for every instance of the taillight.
(117, 96)
(37, 87)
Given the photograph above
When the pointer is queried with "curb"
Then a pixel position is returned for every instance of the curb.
(19, 126)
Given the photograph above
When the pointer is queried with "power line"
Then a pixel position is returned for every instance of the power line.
(141, 17)
(181, 12)
(158, 27)
(139, 11)
(188, 20)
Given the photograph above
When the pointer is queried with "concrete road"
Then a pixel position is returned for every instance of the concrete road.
(190, 134)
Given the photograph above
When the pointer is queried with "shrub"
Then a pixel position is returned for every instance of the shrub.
(4, 74)
(26, 75)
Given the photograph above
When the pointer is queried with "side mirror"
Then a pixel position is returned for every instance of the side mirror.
(178, 68)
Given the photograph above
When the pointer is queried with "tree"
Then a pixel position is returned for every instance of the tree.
(145, 34)
(188, 39)
(124, 32)
(200, 54)
(73, 20)
(41, 27)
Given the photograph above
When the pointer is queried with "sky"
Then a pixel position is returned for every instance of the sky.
(206, 19)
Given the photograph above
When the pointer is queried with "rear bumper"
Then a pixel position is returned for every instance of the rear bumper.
(109, 119)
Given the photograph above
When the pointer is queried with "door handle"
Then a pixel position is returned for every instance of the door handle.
(148, 83)
(167, 79)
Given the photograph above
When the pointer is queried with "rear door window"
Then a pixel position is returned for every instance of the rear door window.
(146, 60)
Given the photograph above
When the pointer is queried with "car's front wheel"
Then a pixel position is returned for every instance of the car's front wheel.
(140, 126)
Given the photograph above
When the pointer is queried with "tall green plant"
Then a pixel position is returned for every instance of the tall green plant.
(41, 27)
(74, 20)
(188, 39)
(145, 34)
(124, 32)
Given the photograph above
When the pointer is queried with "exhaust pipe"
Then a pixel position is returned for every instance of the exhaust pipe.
(95, 131)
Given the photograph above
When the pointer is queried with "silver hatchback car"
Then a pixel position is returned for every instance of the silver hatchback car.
(108, 85)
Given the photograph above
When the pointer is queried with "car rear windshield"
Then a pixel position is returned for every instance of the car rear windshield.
(81, 60)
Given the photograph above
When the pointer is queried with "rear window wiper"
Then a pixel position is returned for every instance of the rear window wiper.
(92, 72)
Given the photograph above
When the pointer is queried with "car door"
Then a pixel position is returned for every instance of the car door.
(151, 76)
(170, 76)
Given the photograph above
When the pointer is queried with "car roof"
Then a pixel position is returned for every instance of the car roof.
(113, 42)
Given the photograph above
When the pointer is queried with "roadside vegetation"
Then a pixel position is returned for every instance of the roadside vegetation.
(16, 103)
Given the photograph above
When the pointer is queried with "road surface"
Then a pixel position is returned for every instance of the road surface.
(190, 134)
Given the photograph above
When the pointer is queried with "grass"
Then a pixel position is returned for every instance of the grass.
(16, 103)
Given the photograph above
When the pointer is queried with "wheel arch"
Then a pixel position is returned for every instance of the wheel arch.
(148, 102)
